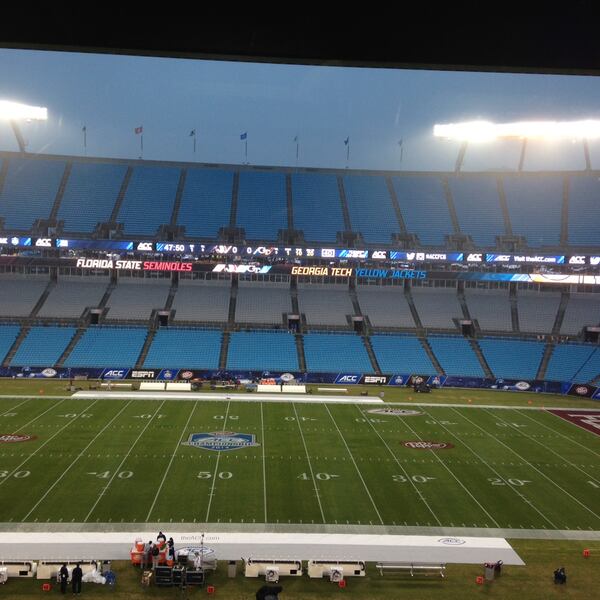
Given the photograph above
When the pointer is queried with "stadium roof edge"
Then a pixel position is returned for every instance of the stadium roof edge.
(237, 167)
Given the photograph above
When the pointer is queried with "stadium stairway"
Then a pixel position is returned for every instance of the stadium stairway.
(42, 299)
(345, 211)
(514, 311)
(224, 351)
(460, 293)
(289, 201)
(300, 350)
(109, 289)
(371, 353)
(451, 207)
(139, 363)
(413, 310)
(13, 349)
(121, 196)
(235, 189)
(432, 357)
(396, 205)
(548, 351)
(504, 205)
(560, 313)
(232, 302)
(481, 358)
(74, 341)
(61, 192)
(178, 196)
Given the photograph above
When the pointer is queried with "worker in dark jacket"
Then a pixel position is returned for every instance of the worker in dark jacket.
(77, 576)
(64, 577)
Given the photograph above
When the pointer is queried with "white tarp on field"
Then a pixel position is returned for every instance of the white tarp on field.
(295, 546)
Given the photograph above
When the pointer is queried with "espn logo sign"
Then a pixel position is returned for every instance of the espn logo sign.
(375, 379)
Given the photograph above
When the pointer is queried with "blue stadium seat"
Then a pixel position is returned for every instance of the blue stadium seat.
(94, 186)
(317, 206)
(29, 191)
(568, 360)
(149, 199)
(185, 348)
(102, 346)
(262, 350)
(456, 356)
(401, 354)
(43, 346)
(584, 210)
(535, 207)
(8, 335)
(478, 210)
(262, 205)
(513, 359)
(206, 202)
(424, 208)
(370, 207)
(333, 352)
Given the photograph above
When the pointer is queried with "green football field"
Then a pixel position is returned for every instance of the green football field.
(111, 461)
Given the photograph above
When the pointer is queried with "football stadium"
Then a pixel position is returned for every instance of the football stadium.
(338, 380)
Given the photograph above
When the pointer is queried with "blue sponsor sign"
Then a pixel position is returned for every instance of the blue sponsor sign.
(221, 441)
(168, 374)
(114, 373)
(399, 379)
(348, 378)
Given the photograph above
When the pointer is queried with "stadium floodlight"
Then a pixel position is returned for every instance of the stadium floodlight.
(11, 111)
(484, 131)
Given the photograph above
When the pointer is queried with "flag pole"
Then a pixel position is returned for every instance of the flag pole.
(84, 140)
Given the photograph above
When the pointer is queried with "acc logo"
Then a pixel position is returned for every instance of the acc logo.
(379, 254)
(49, 372)
(221, 440)
(427, 445)
(452, 541)
(577, 260)
(400, 412)
(114, 374)
(474, 257)
(147, 246)
(187, 375)
(350, 378)
(8, 438)
(44, 242)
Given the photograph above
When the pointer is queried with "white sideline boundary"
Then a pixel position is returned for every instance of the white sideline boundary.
(309, 398)
(294, 546)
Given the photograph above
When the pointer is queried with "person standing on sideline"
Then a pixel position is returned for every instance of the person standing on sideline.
(155, 557)
(77, 576)
(148, 555)
(64, 576)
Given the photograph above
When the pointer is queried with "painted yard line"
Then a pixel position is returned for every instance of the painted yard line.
(75, 460)
(212, 487)
(171, 461)
(17, 406)
(564, 460)
(117, 470)
(532, 466)
(482, 460)
(408, 477)
(355, 465)
(452, 473)
(262, 428)
(312, 474)
(69, 422)
(42, 414)
(558, 432)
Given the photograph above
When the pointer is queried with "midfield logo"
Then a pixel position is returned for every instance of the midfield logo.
(221, 440)
(8, 438)
(427, 445)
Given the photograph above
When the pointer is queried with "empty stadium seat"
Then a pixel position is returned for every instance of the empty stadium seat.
(206, 202)
(424, 208)
(513, 359)
(262, 205)
(184, 348)
(70, 296)
(137, 300)
(386, 306)
(569, 362)
(437, 306)
(20, 293)
(537, 310)
(331, 352)
(584, 209)
(262, 302)
(456, 356)
(29, 191)
(491, 309)
(262, 351)
(43, 346)
(94, 186)
(199, 300)
(317, 206)
(325, 304)
(582, 310)
(102, 346)
(401, 354)
(8, 335)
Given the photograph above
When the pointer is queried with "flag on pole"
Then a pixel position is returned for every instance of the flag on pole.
(139, 130)
(244, 136)
(347, 144)
(192, 133)
(347, 141)
(84, 130)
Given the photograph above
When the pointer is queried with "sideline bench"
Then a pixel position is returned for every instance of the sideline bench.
(418, 567)
(110, 385)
